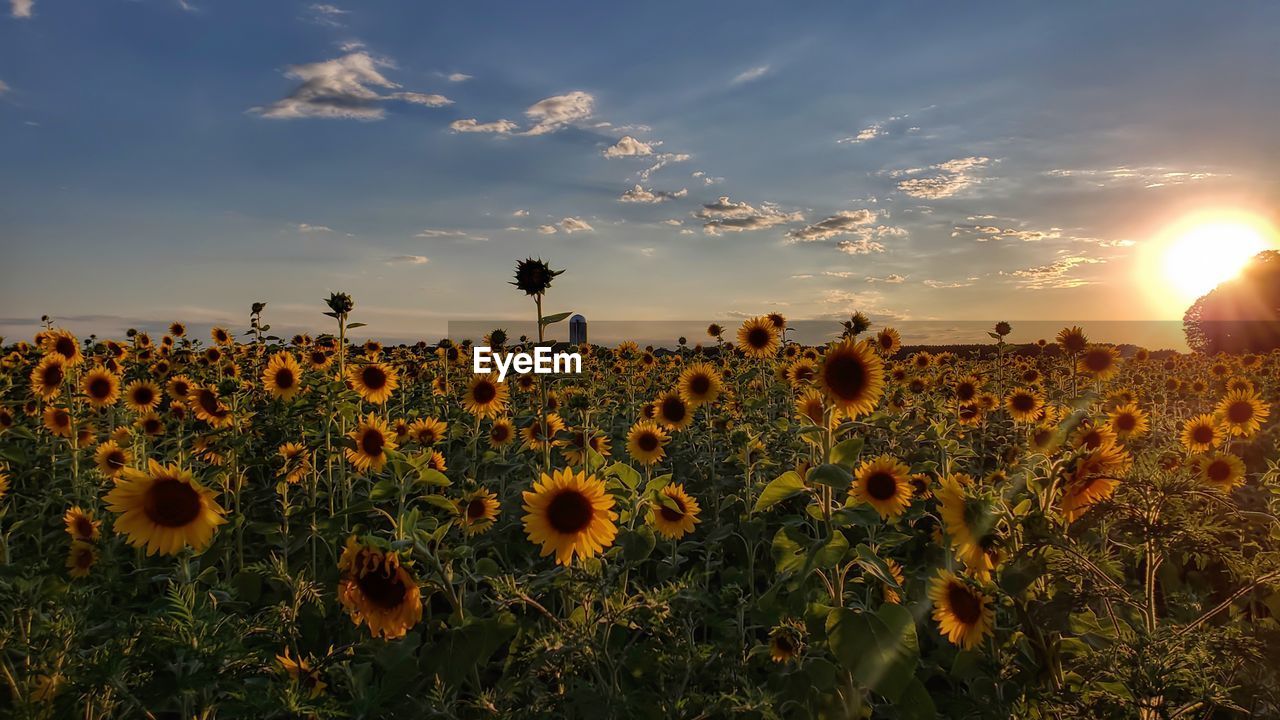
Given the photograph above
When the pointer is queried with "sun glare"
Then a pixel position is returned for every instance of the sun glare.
(1195, 255)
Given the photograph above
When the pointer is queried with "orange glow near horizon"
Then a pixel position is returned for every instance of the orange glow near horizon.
(1192, 256)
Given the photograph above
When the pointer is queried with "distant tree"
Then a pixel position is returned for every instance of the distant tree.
(1240, 315)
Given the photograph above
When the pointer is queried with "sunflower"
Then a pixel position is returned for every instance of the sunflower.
(64, 345)
(208, 407)
(478, 511)
(645, 442)
(672, 411)
(58, 421)
(758, 338)
(1093, 478)
(164, 509)
(486, 397)
(80, 558)
(786, 642)
(673, 512)
(852, 376)
(570, 513)
(889, 593)
(375, 381)
(963, 613)
(81, 525)
(1025, 404)
(575, 452)
(536, 435)
(318, 358)
(435, 461)
(501, 433)
(220, 335)
(377, 590)
(699, 384)
(885, 484)
(1129, 421)
(4, 485)
(810, 407)
(888, 341)
(428, 431)
(1091, 437)
(142, 396)
(1243, 412)
(150, 424)
(297, 462)
(178, 387)
(1220, 470)
(47, 377)
(282, 377)
(1202, 434)
(970, 523)
(1072, 340)
(300, 671)
(802, 372)
(965, 389)
(372, 439)
(1045, 438)
(1100, 362)
(111, 458)
(101, 387)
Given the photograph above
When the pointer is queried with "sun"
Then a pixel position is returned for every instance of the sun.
(1198, 253)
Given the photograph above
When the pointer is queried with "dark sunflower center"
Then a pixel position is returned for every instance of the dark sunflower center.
(181, 388)
(213, 354)
(208, 402)
(1098, 361)
(1092, 439)
(143, 396)
(758, 338)
(846, 376)
(284, 378)
(99, 388)
(371, 442)
(700, 384)
(151, 426)
(1240, 412)
(318, 357)
(53, 376)
(84, 527)
(484, 392)
(475, 509)
(647, 442)
(500, 433)
(386, 590)
(1218, 471)
(966, 391)
(569, 512)
(373, 377)
(115, 459)
(172, 503)
(673, 409)
(882, 485)
(1126, 422)
(964, 604)
(1023, 402)
(65, 346)
(1202, 434)
(62, 419)
(672, 514)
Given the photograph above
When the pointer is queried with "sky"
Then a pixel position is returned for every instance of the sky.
(180, 159)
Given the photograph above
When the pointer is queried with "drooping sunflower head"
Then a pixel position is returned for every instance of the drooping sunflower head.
(962, 611)
(282, 377)
(164, 509)
(374, 381)
(646, 442)
(80, 524)
(534, 276)
(478, 511)
(297, 462)
(569, 513)
(81, 558)
(699, 384)
(885, 484)
(852, 376)
(758, 338)
(371, 440)
(485, 396)
(673, 512)
(786, 642)
(1092, 478)
(378, 590)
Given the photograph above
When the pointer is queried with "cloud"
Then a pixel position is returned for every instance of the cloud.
(724, 215)
(547, 229)
(893, 125)
(1055, 275)
(559, 111)
(892, 279)
(326, 14)
(431, 233)
(568, 226)
(4, 87)
(308, 228)
(988, 233)
(861, 246)
(342, 88)
(458, 77)
(628, 147)
(843, 222)
(21, 8)
(639, 194)
(408, 260)
(938, 284)
(520, 213)
(948, 179)
(471, 125)
(663, 160)
(747, 76)
(1147, 177)
(707, 179)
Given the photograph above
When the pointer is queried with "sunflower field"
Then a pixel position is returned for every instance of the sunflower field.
(249, 526)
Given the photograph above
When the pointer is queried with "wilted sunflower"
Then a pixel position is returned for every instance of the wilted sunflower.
(297, 462)
(885, 484)
(963, 613)
(501, 433)
(208, 407)
(377, 590)
(81, 558)
(1221, 470)
(645, 442)
(1129, 421)
(786, 642)
(673, 512)
(852, 376)
(672, 411)
(536, 435)
(111, 459)
(486, 397)
(282, 377)
(101, 387)
(758, 338)
(428, 431)
(1101, 362)
(375, 381)
(699, 384)
(47, 377)
(570, 513)
(142, 396)
(80, 524)
(1025, 404)
(478, 511)
(164, 509)
(1243, 412)
(1202, 433)
(372, 438)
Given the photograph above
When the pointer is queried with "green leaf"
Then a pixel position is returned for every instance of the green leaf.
(871, 563)
(434, 477)
(779, 489)
(638, 544)
(624, 473)
(831, 476)
(880, 650)
(846, 452)
(915, 703)
(441, 502)
(353, 326)
(551, 319)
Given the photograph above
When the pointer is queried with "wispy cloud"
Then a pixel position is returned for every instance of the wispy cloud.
(1147, 177)
(326, 14)
(725, 215)
(308, 228)
(568, 226)
(942, 180)
(471, 125)
(1055, 275)
(458, 77)
(21, 8)
(639, 194)
(343, 88)
(747, 76)
(408, 260)
(434, 233)
(842, 223)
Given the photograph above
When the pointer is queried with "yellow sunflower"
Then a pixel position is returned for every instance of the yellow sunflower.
(297, 462)
(478, 511)
(375, 381)
(885, 484)
(672, 412)
(111, 458)
(301, 672)
(57, 421)
(428, 431)
(569, 513)
(501, 433)
(81, 525)
(378, 590)
(142, 396)
(673, 512)
(48, 376)
(889, 593)
(1202, 433)
(1220, 470)
(646, 441)
(1101, 362)
(64, 345)
(1129, 421)
(1072, 340)
(810, 407)
(963, 613)
(101, 387)
(178, 387)
(852, 376)
(888, 341)
(575, 452)
(164, 509)
(1093, 478)
(699, 384)
(758, 338)
(1243, 412)
(970, 525)
(81, 558)
(536, 435)
(1025, 404)
(372, 439)
(204, 401)
(282, 377)
(486, 397)
(802, 372)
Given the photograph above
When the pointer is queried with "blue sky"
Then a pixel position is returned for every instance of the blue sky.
(165, 160)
